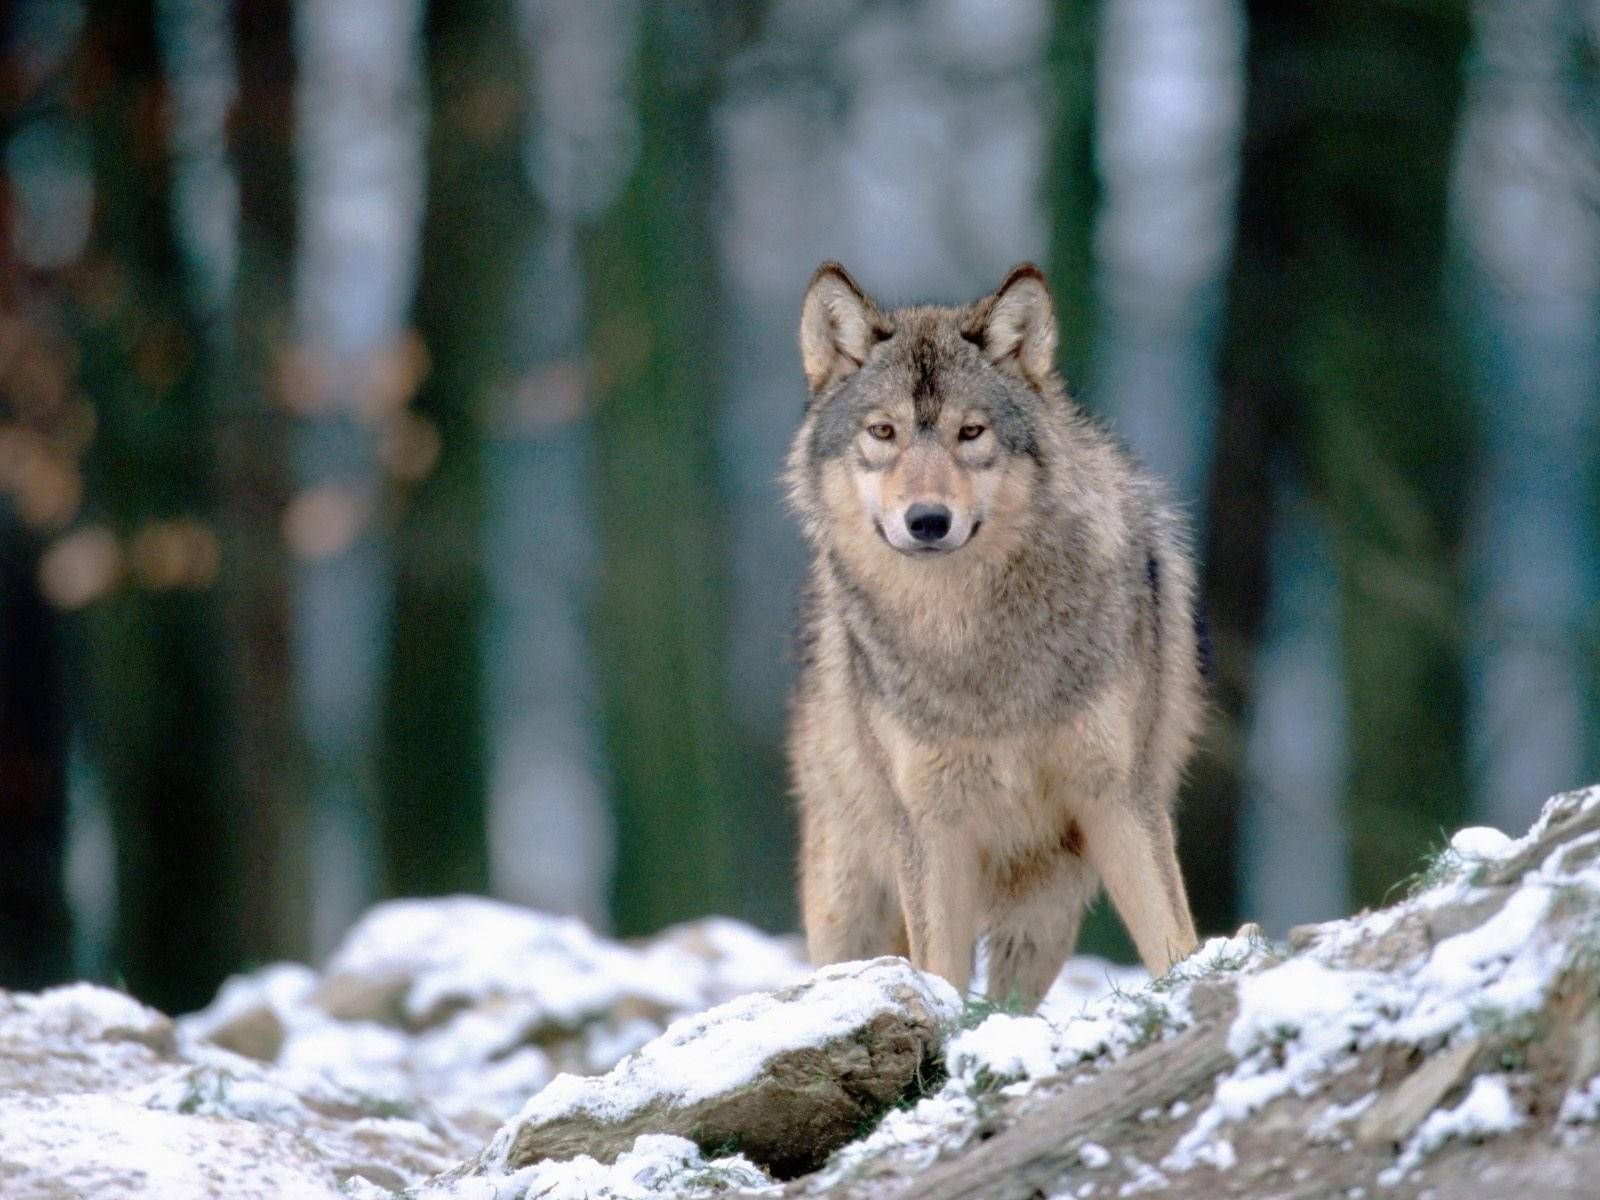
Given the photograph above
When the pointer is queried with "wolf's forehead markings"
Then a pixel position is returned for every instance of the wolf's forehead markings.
(926, 396)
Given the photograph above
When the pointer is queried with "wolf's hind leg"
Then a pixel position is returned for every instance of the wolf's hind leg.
(1029, 942)
(851, 911)
(1132, 846)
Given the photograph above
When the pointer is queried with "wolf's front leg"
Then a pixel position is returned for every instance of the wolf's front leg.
(1130, 843)
(938, 878)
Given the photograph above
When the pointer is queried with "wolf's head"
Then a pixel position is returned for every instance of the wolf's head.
(925, 426)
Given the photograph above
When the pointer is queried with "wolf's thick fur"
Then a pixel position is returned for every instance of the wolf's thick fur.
(1000, 680)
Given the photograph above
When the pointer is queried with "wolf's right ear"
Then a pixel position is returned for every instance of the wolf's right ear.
(838, 325)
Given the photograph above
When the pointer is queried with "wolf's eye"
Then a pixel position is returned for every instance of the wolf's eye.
(969, 433)
(881, 430)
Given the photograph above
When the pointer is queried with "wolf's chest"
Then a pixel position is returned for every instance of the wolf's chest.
(986, 673)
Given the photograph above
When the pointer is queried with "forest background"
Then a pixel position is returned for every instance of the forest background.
(392, 396)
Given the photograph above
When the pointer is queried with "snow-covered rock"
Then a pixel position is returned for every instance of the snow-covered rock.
(101, 1096)
(462, 1049)
(786, 1076)
(471, 1005)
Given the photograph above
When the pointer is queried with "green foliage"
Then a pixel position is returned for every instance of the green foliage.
(1436, 867)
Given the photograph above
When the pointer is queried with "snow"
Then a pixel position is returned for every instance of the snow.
(1095, 1013)
(1300, 1022)
(1142, 1178)
(466, 947)
(1276, 1004)
(281, 987)
(85, 1010)
(1581, 1105)
(1006, 1047)
(436, 1021)
(1501, 965)
(1481, 842)
(105, 1146)
(658, 1165)
(1329, 1122)
(212, 1092)
(1093, 1155)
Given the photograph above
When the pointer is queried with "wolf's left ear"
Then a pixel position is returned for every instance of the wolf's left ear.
(1016, 327)
(838, 325)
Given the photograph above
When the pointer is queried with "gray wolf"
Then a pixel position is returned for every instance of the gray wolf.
(1000, 682)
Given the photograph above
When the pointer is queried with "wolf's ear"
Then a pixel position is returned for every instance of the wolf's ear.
(838, 325)
(1016, 327)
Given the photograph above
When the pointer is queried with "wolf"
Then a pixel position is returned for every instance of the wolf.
(1000, 680)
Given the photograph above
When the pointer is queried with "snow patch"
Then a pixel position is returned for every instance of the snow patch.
(1142, 1178)
(1481, 842)
(1581, 1105)
(215, 1092)
(1304, 1020)
(1094, 1156)
(86, 1010)
(1004, 1048)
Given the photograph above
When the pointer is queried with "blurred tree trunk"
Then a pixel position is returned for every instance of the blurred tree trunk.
(35, 922)
(1073, 196)
(659, 632)
(1073, 189)
(434, 760)
(1529, 297)
(35, 925)
(158, 710)
(253, 480)
(1336, 359)
(1144, 166)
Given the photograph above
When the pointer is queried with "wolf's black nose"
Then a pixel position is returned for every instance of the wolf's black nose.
(928, 522)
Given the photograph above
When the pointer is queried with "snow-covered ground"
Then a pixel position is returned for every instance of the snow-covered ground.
(449, 1045)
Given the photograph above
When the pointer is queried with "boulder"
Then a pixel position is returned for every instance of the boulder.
(783, 1078)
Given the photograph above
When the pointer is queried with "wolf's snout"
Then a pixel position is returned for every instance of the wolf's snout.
(928, 522)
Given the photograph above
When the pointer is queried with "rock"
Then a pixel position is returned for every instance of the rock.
(783, 1078)
(255, 1033)
(1395, 1115)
